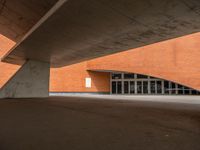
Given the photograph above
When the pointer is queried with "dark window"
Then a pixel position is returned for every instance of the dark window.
(145, 87)
(152, 77)
(126, 87)
(116, 76)
(139, 87)
(140, 76)
(159, 87)
(132, 87)
(153, 87)
(119, 87)
(194, 92)
(128, 76)
(173, 88)
(166, 87)
(114, 90)
(180, 89)
(187, 91)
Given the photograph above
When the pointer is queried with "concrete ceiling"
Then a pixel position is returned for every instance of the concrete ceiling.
(18, 16)
(77, 30)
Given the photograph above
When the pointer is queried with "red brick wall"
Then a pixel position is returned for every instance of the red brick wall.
(72, 79)
(6, 70)
(177, 60)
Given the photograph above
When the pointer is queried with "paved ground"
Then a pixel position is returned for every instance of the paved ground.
(74, 123)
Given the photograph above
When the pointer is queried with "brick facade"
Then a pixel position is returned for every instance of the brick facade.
(175, 60)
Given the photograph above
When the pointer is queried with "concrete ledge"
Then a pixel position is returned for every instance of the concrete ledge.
(77, 93)
(148, 98)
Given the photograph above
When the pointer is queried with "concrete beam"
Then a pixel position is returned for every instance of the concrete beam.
(19, 16)
(76, 30)
(32, 80)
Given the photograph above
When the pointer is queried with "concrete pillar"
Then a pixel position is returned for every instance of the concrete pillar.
(176, 88)
(149, 85)
(163, 88)
(31, 81)
(122, 83)
(156, 88)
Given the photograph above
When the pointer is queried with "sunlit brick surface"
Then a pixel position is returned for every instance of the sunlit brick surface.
(175, 60)
(6, 70)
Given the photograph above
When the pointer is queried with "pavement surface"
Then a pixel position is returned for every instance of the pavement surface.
(100, 123)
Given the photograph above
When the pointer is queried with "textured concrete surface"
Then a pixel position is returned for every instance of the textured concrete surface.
(18, 16)
(31, 80)
(89, 123)
(85, 29)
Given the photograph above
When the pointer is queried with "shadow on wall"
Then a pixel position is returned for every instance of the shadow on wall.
(100, 80)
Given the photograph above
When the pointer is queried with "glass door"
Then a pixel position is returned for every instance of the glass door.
(114, 87)
(139, 87)
(153, 87)
(119, 87)
(126, 87)
(145, 87)
(132, 87)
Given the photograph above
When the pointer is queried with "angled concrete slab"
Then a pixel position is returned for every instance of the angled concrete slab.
(32, 80)
(77, 30)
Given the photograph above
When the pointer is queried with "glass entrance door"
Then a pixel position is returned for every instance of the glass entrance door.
(126, 87)
(114, 87)
(153, 87)
(145, 87)
(132, 87)
(119, 87)
(139, 87)
(123, 83)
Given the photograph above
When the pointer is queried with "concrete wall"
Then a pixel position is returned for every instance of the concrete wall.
(30, 81)
(18, 16)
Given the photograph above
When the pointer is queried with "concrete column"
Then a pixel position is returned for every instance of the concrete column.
(142, 84)
(129, 87)
(31, 81)
(122, 83)
(163, 88)
(110, 83)
(156, 88)
(149, 85)
(135, 83)
(136, 87)
(170, 88)
(176, 87)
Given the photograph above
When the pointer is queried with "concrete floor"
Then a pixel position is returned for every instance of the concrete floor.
(75, 123)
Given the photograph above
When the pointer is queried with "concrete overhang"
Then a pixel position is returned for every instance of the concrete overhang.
(17, 17)
(78, 30)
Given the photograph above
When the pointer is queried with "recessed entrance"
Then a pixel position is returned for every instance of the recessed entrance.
(126, 83)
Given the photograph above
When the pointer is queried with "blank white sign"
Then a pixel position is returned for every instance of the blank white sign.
(88, 82)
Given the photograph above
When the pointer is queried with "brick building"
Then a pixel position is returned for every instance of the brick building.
(169, 67)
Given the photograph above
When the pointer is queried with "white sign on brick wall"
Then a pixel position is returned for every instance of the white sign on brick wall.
(88, 82)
